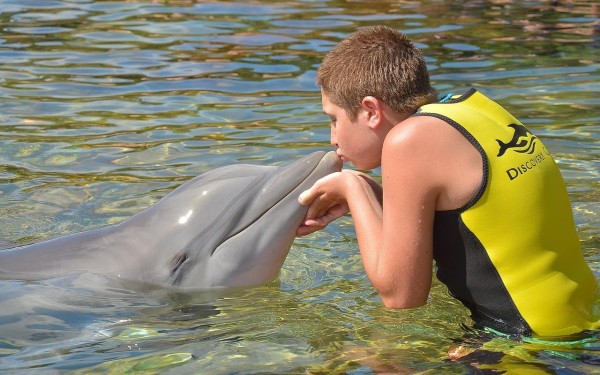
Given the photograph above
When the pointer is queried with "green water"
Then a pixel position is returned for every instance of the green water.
(107, 106)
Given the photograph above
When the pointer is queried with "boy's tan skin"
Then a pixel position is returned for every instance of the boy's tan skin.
(426, 165)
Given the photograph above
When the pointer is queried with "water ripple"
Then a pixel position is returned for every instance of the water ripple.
(109, 105)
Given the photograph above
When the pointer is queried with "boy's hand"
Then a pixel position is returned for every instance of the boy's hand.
(326, 201)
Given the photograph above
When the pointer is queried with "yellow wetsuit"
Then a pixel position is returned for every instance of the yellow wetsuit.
(512, 255)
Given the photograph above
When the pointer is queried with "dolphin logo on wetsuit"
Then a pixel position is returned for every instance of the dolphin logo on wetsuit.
(523, 141)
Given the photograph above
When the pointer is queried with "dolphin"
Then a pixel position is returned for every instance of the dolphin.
(231, 226)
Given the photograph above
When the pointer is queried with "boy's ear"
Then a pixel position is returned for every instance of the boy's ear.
(372, 108)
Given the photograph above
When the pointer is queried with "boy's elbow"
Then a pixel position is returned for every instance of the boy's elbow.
(400, 305)
(403, 301)
(402, 294)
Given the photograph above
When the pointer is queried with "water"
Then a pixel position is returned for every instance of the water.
(107, 106)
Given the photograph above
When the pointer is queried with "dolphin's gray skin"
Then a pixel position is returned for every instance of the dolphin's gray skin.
(232, 226)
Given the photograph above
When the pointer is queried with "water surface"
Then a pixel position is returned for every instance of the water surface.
(108, 105)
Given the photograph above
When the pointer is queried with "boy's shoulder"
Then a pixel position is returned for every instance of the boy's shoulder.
(415, 128)
(426, 135)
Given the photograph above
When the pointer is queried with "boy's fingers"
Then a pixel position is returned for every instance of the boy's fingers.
(303, 230)
(306, 197)
(317, 209)
(325, 215)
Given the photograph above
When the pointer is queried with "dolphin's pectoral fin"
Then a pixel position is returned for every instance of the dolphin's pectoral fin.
(177, 267)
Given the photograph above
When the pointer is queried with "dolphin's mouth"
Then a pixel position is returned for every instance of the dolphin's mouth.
(327, 164)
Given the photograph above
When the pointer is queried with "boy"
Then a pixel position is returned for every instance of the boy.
(464, 183)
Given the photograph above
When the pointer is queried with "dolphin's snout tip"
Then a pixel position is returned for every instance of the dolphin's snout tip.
(323, 162)
(335, 159)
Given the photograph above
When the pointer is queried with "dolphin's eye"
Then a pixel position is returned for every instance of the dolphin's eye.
(177, 261)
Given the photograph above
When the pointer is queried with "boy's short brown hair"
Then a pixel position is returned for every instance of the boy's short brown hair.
(376, 61)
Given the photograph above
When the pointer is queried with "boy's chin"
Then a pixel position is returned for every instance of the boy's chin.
(361, 166)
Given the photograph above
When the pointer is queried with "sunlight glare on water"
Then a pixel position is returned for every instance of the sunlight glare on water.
(109, 105)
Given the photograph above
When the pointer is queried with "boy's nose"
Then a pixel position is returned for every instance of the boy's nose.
(333, 137)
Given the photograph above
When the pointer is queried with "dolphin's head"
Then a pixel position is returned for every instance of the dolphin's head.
(233, 226)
